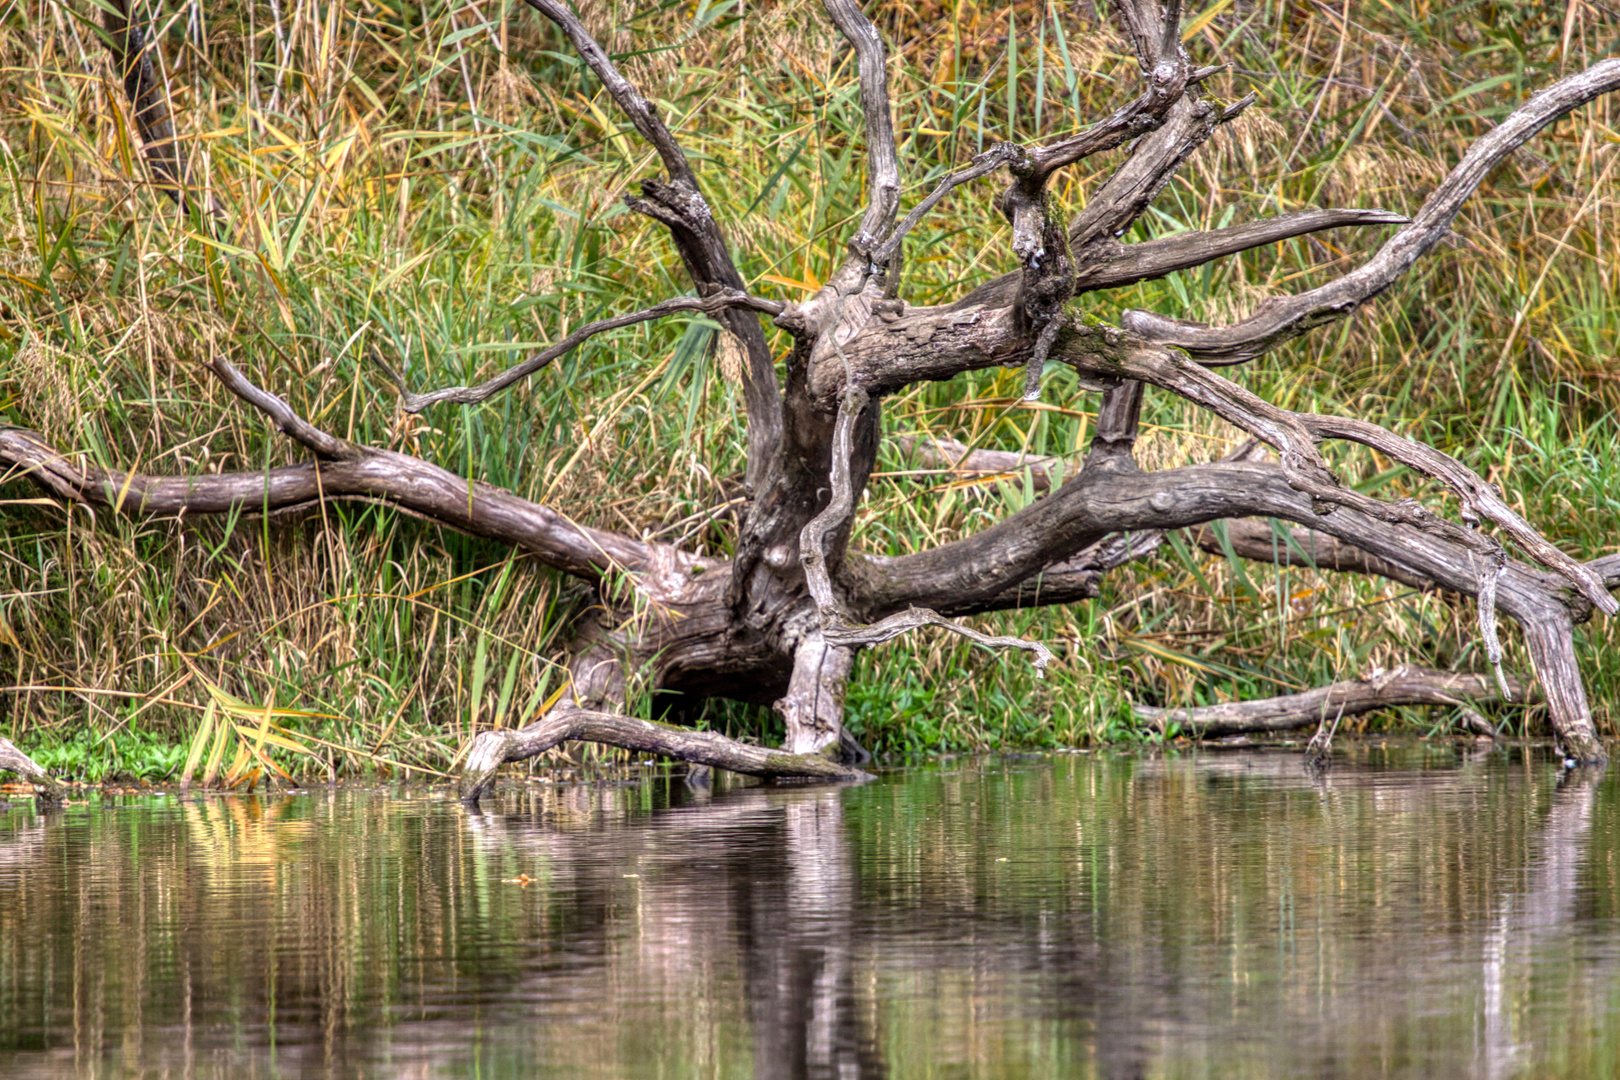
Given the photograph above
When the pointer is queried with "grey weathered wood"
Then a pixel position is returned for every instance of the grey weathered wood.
(566, 721)
(1251, 538)
(679, 204)
(398, 479)
(813, 707)
(882, 160)
(47, 787)
(1281, 319)
(1405, 685)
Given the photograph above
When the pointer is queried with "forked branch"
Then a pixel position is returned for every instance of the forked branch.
(1281, 319)
(837, 625)
(680, 205)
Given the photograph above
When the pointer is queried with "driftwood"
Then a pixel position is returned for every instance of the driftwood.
(47, 787)
(780, 621)
(1405, 685)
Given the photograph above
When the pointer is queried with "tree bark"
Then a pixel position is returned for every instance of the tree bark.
(46, 787)
(1405, 685)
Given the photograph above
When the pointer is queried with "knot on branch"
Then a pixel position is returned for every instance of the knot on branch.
(674, 203)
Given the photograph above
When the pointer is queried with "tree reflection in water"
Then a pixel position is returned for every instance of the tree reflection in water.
(1424, 912)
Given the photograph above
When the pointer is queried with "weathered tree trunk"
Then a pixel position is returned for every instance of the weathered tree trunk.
(47, 787)
(782, 620)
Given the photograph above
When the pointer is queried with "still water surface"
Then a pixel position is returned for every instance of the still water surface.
(1421, 911)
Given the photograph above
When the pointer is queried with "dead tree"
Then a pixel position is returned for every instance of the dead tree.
(781, 621)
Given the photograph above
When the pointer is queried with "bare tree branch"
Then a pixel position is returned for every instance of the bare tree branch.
(1280, 319)
(624, 93)
(1405, 685)
(131, 50)
(837, 626)
(958, 459)
(892, 626)
(462, 395)
(1075, 578)
(47, 786)
(1097, 502)
(813, 707)
(1134, 185)
(982, 165)
(1256, 539)
(882, 160)
(680, 205)
(399, 480)
(1607, 568)
(1110, 265)
(567, 721)
(312, 438)
(1479, 499)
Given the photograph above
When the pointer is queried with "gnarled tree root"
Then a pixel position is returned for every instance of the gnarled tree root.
(1408, 684)
(492, 749)
(46, 787)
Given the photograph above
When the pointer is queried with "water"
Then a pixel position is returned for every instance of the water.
(1422, 911)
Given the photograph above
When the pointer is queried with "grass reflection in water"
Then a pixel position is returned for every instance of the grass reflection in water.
(1429, 911)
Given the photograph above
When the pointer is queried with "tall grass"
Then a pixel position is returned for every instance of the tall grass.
(442, 183)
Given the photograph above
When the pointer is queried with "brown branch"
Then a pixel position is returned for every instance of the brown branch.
(566, 721)
(883, 162)
(131, 50)
(1404, 685)
(462, 395)
(1281, 319)
(398, 480)
(1258, 540)
(679, 204)
(813, 547)
(1307, 472)
(1295, 435)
